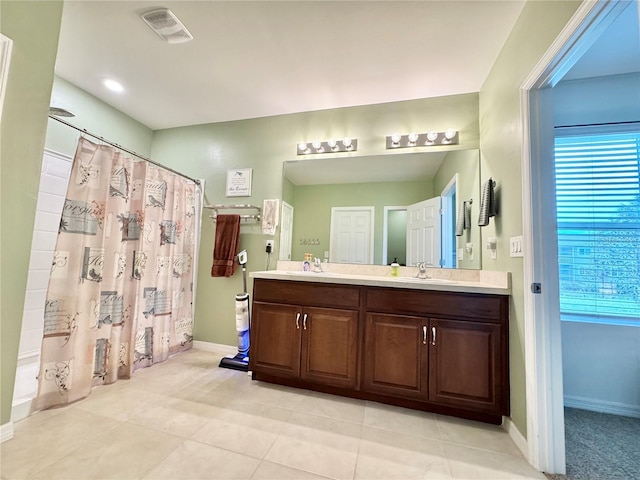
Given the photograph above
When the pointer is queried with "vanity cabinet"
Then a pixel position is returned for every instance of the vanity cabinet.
(458, 344)
(305, 331)
(439, 351)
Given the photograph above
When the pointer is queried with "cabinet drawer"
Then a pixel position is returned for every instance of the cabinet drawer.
(423, 303)
(302, 293)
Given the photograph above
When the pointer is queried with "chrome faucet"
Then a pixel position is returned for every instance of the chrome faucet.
(422, 270)
(317, 266)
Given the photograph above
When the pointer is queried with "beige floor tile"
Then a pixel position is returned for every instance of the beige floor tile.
(38, 444)
(318, 445)
(170, 419)
(466, 463)
(476, 434)
(273, 471)
(332, 406)
(390, 455)
(194, 461)
(126, 452)
(123, 403)
(401, 420)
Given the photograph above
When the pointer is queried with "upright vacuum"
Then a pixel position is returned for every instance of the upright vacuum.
(241, 360)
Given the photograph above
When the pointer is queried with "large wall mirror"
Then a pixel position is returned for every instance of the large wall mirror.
(359, 209)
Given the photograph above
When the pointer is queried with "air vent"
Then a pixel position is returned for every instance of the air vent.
(167, 26)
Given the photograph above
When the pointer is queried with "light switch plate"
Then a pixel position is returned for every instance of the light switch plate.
(515, 246)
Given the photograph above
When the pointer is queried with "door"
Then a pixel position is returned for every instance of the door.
(423, 232)
(286, 232)
(464, 364)
(275, 339)
(330, 346)
(351, 235)
(395, 359)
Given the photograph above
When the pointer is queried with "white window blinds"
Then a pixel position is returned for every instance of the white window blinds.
(598, 211)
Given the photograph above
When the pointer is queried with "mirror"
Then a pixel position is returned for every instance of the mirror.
(389, 183)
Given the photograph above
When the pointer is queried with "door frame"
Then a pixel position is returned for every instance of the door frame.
(283, 251)
(448, 247)
(542, 338)
(385, 228)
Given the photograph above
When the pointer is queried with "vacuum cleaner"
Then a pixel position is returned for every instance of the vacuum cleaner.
(240, 361)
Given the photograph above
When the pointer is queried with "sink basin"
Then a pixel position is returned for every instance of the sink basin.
(310, 272)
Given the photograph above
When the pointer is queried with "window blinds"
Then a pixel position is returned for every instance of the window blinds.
(598, 213)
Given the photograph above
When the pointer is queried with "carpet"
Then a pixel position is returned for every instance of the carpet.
(600, 446)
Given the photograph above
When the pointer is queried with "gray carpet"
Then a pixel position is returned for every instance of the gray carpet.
(600, 446)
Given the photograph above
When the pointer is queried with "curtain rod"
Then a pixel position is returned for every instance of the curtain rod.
(141, 157)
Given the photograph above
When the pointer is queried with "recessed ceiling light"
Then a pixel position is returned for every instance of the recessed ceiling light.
(113, 85)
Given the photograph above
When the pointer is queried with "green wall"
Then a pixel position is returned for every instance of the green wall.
(34, 28)
(263, 144)
(501, 146)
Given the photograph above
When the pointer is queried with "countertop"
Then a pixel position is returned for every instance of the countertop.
(467, 281)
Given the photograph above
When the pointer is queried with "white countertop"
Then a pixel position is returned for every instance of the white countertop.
(468, 281)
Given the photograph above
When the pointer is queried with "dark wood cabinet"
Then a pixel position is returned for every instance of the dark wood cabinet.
(395, 359)
(465, 364)
(314, 343)
(445, 352)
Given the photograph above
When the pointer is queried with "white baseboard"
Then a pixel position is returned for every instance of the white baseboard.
(516, 436)
(21, 409)
(214, 347)
(6, 432)
(603, 406)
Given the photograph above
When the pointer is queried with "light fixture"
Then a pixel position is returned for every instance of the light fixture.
(113, 85)
(432, 138)
(336, 146)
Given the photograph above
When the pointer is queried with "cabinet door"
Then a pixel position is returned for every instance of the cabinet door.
(275, 339)
(464, 364)
(395, 359)
(330, 346)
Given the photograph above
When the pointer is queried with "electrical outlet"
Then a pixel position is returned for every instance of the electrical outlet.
(269, 246)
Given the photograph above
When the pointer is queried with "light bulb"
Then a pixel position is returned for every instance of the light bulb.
(413, 138)
(317, 145)
(302, 146)
(450, 133)
(431, 136)
(346, 142)
(113, 85)
(395, 138)
(332, 143)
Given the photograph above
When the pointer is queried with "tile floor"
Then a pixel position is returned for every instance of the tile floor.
(189, 419)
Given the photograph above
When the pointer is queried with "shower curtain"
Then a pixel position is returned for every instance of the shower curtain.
(121, 286)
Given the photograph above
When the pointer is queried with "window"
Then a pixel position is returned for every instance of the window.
(598, 212)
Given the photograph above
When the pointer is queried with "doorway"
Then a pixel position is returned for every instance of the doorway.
(351, 237)
(394, 235)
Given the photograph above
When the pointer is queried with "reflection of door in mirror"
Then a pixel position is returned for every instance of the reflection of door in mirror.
(449, 223)
(423, 232)
(351, 236)
(286, 231)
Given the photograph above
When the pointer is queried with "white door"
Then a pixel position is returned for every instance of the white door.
(423, 232)
(351, 238)
(286, 231)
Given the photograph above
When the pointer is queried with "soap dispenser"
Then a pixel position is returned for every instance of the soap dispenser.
(395, 268)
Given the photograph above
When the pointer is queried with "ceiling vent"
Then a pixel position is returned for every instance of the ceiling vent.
(167, 26)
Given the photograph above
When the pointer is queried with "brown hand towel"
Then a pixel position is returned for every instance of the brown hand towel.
(226, 245)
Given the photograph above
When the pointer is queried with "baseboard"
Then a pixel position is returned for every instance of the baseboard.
(602, 406)
(516, 436)
(6, 432)
(21, 409)
(214, 347)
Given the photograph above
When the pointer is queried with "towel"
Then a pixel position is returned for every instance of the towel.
(270, 216)
(226, 245)
(463, 219)
(487, 203)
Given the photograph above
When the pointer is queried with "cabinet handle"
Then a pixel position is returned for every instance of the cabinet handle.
(304, 321)
(433, 336)
(298, 321)
(424, 335)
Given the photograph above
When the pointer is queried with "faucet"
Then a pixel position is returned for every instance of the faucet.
(422, 270)
(317, 266)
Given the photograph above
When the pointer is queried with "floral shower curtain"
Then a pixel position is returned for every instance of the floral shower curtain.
(121, 287)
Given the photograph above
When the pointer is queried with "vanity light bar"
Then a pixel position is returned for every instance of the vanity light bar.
(328, 146)
(429, 139)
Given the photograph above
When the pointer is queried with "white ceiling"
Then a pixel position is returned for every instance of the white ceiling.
(264, 58)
